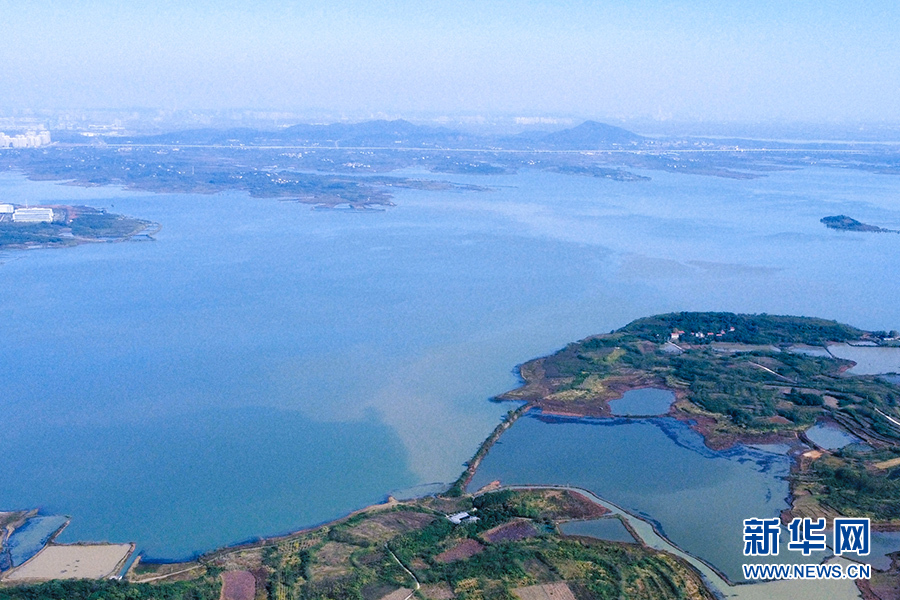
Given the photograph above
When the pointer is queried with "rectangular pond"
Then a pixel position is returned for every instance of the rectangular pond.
(642, 402)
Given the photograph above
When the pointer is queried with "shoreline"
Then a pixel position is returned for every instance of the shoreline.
(663, 542)
(458, 487)
(10, 575)
(532, 391)
(645, 532)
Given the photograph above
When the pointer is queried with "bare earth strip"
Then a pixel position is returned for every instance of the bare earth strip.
(238, 585)
(399, 594)
(548, 591)
(465, 549)
(93, 561)
(887, 464)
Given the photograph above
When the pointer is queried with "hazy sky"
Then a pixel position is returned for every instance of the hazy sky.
(712, 60)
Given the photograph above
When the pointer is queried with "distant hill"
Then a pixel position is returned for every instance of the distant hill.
(591, 135)
(367, 134)
(375, 134)
(210, 136)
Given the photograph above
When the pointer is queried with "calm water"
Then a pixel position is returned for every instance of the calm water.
(659, 469)
(810, 350)
(263, 367)
(869, 361)
(642, 402)
(830, 436)
(882, 544)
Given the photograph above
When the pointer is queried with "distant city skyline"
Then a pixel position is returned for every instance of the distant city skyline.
(653, 60)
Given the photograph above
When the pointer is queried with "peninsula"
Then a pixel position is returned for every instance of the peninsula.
(747, 378)
(57, 226)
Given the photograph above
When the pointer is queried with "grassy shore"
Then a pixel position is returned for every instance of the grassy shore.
(413, 546)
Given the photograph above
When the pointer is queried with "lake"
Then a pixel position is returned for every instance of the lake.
(263, 367)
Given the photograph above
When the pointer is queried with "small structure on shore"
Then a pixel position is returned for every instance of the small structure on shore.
(462, 518)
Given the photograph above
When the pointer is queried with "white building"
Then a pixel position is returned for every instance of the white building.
(7, 209)
(33, 215)
(26, 140)
(462, 517)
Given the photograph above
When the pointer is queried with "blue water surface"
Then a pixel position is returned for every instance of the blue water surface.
(262, 367)
(659, 469)
(830, 436)
(642, 402)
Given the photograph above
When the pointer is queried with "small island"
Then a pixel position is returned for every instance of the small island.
(845, 223)
(60, 226)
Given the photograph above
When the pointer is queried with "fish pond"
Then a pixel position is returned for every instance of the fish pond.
(642, 402)
(830, 436)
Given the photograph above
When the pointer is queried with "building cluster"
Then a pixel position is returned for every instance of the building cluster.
(39, 214)
(676, 335)
(30, 139)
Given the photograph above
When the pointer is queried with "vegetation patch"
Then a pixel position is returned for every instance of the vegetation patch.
(547, 591)
(465, 549)
(108, 589)
(511, 532)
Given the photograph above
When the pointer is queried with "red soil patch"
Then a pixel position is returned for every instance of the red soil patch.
(582, 507)
(511, 532)
(238, 585)
(464, 549)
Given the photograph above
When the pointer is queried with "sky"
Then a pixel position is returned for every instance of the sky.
(723, 60)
